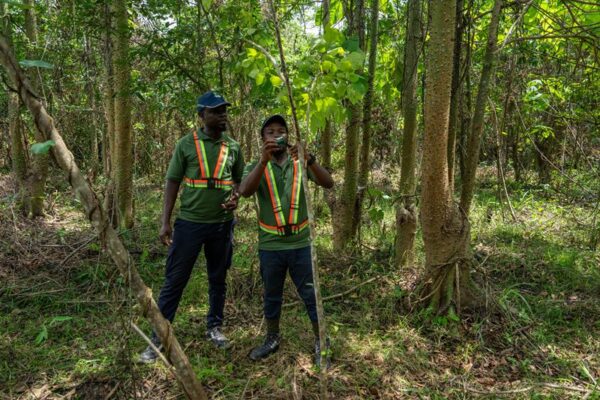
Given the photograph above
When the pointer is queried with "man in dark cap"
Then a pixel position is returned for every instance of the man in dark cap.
(210, 166)
(284, 236)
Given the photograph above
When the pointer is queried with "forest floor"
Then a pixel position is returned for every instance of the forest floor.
(65, 313)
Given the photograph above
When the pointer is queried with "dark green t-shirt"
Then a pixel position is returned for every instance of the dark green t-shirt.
(204, 205)
(284, 176)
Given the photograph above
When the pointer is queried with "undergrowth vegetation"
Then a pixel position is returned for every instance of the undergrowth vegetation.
(66, 315)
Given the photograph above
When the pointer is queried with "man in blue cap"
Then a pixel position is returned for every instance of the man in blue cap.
(209, 164)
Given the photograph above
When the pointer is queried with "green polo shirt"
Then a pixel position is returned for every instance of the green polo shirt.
(284, 176)
(204, 205)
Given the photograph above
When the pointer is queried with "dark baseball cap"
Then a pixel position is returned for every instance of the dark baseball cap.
(273, 118)
(210, 99)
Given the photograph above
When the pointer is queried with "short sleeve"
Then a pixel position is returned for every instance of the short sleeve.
(176, 169)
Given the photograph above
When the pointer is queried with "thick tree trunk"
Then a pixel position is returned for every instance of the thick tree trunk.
(343, 220)
(474, 142)
(365, 150)
(123, 136)
(108, 236)
(445, 228)
(39, 169)
(406, 213)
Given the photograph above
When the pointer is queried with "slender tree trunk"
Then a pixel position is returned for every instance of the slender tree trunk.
(472, 159)
(327, 132)
(123, 136)
(109, 237)
(365, 150)
(406, 213)
(455, 92)
(345, 204)
(110, 159)
(445, 229)
(18, 154)
(39, 170)
(90, 87)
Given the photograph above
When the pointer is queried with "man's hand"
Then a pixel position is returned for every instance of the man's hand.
(165, 234)
(268, 148)
(294, 152)
(232, 203)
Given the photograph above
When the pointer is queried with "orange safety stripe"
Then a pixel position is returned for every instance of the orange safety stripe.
(279, 229)
(202, 183)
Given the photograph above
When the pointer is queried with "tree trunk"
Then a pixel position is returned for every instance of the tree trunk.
(445, 229)
(455, 93)
(406, 213)
(365, 150)
(343, 220)
(472, 155)
(39, 169)
(18, 154)
(108, 236)
(123, 136)
(110, 159)
(90, 87)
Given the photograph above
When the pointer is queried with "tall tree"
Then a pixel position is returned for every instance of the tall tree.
(406, 213)
(365, 150)
(15, 127)
(343, 221)
(39, 169)
(122, 114)
(476, 131)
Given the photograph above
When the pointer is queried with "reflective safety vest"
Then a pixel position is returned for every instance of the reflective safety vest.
(291, 227)
(207, 181)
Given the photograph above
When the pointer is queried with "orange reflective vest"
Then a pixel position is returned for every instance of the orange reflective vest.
(207, 181)
(291, 226)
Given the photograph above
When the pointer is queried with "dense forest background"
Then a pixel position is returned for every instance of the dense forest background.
(458, 251)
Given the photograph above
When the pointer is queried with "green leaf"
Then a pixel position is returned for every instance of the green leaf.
(42, 336)
(275, 80)
(42, 148)
(260, 78)
(60, 318)
(35, 63)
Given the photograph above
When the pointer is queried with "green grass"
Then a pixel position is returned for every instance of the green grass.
(67, 325)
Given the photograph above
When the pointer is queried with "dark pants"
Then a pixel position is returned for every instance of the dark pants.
(273, 268)
(188, 239)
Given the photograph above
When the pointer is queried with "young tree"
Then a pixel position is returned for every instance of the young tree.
(343, 219)
(365, 150)
(39, 168)
(123, 172)
(406, 213)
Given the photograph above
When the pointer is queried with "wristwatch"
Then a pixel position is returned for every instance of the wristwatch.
(311, 159)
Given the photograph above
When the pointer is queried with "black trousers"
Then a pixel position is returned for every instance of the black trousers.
(188, 240)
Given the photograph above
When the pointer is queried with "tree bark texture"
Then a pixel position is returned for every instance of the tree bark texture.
(39, 168)
(365, 150)
(110, 159)
(476, 131)
(343, 220)
(445, 228)
(122, 112)
(406, 213)
(109, 237)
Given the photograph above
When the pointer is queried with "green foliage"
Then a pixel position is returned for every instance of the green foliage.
(42, 148)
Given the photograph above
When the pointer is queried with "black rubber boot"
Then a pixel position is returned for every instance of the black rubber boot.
(149, 356)
(270, 346)
(317, 353)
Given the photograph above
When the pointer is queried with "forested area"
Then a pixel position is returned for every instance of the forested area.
(457, 252)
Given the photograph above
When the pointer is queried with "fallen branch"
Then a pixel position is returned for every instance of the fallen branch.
(108, 236)
(335, 296)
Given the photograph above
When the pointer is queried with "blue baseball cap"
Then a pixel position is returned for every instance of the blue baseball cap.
(210, 99)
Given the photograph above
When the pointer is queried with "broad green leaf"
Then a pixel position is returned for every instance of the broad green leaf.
(275, 80)
(36, 63)
(60, 318)
(42, 148)
(260, 78)
(252, 52)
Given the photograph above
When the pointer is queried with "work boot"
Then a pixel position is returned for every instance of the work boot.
(217, 338)
(317, 359)
(149, 355)
(270, 346)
